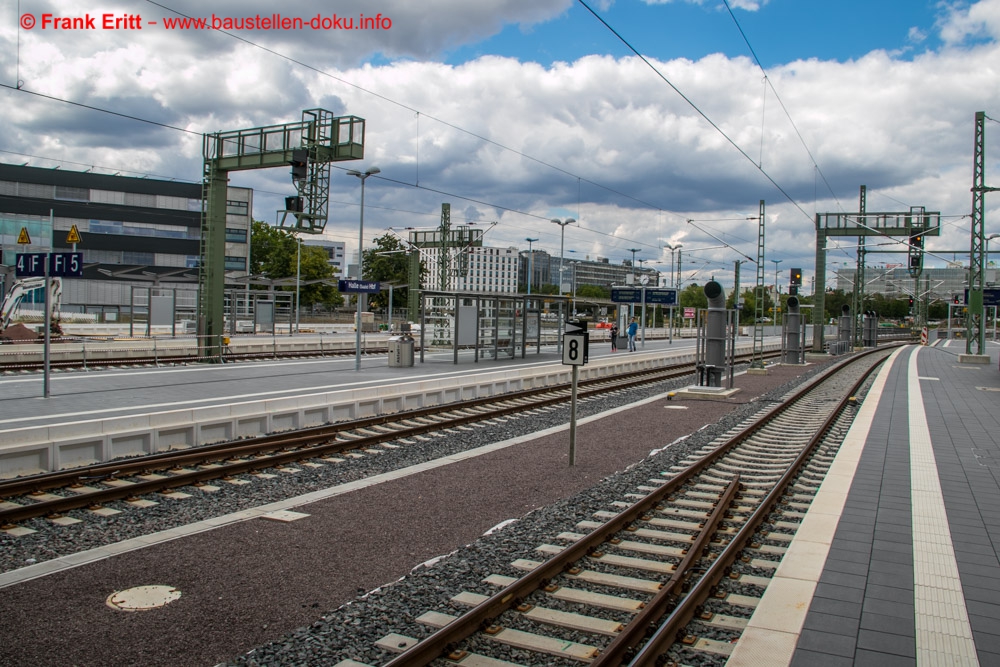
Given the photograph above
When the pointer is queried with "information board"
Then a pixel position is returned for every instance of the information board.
(664, 296)
(991, 296)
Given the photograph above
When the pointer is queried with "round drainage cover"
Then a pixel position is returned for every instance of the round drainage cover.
(143, 597)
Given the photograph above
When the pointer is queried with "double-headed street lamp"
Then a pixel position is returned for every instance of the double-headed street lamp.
(531, 262)
(562, 242)
(776, 262)
(361, 246)
(673, 248)
(631, 309)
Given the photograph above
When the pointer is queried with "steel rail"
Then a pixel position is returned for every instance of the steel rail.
(439, 643)
(666, 634)
(636, 631)
(220, 451)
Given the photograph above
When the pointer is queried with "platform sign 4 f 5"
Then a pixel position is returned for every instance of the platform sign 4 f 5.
(60, 264)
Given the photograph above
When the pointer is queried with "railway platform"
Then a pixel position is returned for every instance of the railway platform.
(897, 560)
(97, 416)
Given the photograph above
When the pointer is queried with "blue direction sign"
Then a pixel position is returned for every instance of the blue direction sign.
(61, 264)
(654, 295)
(665, 297)
(626, 295)
(991, 296)
(358, 286)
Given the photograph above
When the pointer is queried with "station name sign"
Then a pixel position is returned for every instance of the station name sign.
(358, 286)
(654, 295)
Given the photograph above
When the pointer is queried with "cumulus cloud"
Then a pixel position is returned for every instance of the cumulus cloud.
(602, 139)
(976, 21)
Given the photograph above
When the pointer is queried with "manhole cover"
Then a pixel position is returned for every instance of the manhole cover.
(143, 597)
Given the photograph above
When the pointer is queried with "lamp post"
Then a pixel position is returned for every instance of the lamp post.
(562, 244)
(673, 248)
(361, 246)
(776, 262)
(531, 263)
(631, 307)
(298, 281)
(777, 293)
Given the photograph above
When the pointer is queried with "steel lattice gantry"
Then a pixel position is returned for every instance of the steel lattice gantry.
(975, 341)
(908, 224)
(326, 138)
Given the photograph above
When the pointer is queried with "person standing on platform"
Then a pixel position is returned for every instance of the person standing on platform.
(614, 337)
(632, 330)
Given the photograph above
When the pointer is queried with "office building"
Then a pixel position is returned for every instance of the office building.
(135, 232)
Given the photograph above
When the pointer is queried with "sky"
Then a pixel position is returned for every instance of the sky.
(519, 111)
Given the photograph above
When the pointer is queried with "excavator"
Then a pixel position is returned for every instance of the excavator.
(13, 299)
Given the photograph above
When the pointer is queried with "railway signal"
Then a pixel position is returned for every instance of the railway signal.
(794, 281)
(300, 164)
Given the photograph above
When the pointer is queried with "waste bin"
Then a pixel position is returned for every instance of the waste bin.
(401, 351)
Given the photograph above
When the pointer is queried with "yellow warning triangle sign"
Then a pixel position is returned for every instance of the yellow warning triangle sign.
(23, 237)
(74, 235)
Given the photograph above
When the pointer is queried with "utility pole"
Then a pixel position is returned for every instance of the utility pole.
(444, 258)
(859, 273)
(758, 326)
(975, 342)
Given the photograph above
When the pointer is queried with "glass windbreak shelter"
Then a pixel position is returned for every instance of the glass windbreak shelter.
(492, 325)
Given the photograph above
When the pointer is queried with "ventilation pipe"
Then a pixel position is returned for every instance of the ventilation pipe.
(793, 331)
(715, 333)
(870, 330)
(844, 324)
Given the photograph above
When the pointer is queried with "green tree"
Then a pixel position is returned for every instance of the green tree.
(273, 256)
(749, 299)
(389, 262)
(693, 296)
(593, 292)
(834, 301)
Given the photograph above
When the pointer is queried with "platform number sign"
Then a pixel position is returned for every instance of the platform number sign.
(575, 349)
(60, 264)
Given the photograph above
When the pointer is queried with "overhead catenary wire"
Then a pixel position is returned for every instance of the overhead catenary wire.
(698, 110)
(770, 84)
(407, 107)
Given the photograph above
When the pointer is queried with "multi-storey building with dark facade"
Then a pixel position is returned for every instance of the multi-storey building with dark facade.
(135, 232)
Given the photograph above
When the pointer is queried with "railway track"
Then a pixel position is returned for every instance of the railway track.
(670, 574)
(166, 359)
(160, 358)
(91, 487)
